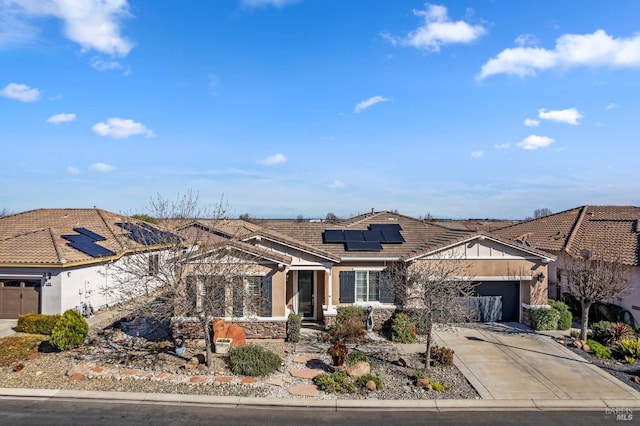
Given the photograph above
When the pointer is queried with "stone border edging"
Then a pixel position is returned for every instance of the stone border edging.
(335, 404)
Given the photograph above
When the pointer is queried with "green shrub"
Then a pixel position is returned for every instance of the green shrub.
(37, 323)
(334, 382)
(420, 318)
(362, 381)
(599, 350)
(402, 329)
(294, 324)
(349, 326)
(253, 360)
(629, 347)
(439, 387)
(544, 319)
(564, 314)
(70, 331)
(600, 331)
(356, 356)
(441, 355)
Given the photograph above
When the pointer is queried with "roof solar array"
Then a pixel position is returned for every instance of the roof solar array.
(365, 240)
(147, 234)
(85, 241)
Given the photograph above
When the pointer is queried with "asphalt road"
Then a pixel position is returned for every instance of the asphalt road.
(57, 412)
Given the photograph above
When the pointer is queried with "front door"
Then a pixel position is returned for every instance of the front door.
(306, 295)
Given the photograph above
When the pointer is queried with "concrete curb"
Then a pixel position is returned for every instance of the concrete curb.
(322, 404)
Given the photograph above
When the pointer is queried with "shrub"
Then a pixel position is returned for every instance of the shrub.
(441, 355)
(600, 331)
(294, 324)
(420, 318)
(629, 347)
(617, 332)
(70, 331)
(544, 319)
(338, 349)
(439, 387)
(402, 329)
(349, 324)
(564, 314)
(253, 360)
(334, 382)
(37, 323)
(356, 356)
(599, 350)
(362, 381)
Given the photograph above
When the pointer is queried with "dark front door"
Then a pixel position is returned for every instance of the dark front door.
(510, 292)
(305, 294)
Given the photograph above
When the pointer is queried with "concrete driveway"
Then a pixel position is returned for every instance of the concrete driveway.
(7, 327)
(502, 362)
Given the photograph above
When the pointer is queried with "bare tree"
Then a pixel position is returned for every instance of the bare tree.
(185, 267)
(439, 287)
(538, 213)
(5, 212)
(593, 280)
(331, 218)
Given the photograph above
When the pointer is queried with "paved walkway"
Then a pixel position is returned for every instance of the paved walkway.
(502, 362)
(7, 327)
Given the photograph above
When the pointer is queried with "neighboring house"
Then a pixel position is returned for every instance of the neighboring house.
(312, 267)
(610, 233)
(52, 260)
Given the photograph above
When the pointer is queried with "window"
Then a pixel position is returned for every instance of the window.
(154, 264)
(246, 295)
(367, 286)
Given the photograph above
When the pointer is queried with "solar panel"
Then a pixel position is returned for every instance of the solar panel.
(385, 227)
(352, 235)
(373, 236)
(333, 236)
(147, 234)
(362, 246)
(91, 249)
(90, 234)
(392, 237)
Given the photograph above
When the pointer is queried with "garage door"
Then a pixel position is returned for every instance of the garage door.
(19, 297)
(510, 292)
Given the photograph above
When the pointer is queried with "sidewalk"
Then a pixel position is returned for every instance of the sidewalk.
(7, 327)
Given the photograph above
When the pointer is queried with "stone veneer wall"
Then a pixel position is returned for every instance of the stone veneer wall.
(526, 316)
(380, 316)
(190, 328)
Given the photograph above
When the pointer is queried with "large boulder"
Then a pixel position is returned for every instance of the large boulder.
(230, 331)
(359, 369)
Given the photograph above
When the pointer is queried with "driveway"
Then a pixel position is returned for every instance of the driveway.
(7, 327)
(502, 362)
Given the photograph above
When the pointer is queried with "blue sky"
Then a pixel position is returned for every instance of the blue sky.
(486, 108)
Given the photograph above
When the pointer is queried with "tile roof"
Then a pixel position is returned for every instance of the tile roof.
(611, 232)
(34, 238)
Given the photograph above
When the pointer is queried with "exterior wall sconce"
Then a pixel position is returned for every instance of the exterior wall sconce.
(540, 277)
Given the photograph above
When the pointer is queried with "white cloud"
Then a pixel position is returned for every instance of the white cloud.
(102, 65)
(121, 128)
(529, 122)
(369, 103)
(336, 184)
(438, 30)
(20, 92)
(534, 142)
(611, 105)
(477, 154)
(264, 3)
(570, 51)
(61, 118)
(272, 160)
(93, 24)
(526, 40)
(569, 116)
(73, 170)
(101, 168)
(502, 146)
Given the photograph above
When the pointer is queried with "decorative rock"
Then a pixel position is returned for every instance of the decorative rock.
(97, 369)
(18, 367)
(276, 382)
(198, 379)
(577, 344)
(636, 379)
(224, 379)
(371, 385)
(304, 359)
(422, 382)
(304, 390)
(359, 369)
(129, 372)
(197, 360)
(305, 373)
(39, 372)
(76, 376)
(402, 362)
(586, 348)
(236, 333)
(33, 355)
(248, 381)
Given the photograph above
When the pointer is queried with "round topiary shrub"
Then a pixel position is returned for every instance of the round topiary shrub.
(253, 360)
(294, 325)
(402, 329)
(70, 331)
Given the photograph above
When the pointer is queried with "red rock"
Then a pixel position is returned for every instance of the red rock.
(305, 373)
(129, 372)
(303, 359)
(236, 333)
(97, 369)
(248, 381)
(18, 367)
(304, 390)
(33, 355)
(198, 379)
(162, 375)
(76, 376)
(224, 379)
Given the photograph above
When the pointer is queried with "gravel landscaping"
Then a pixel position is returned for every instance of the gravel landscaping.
(116, 361)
